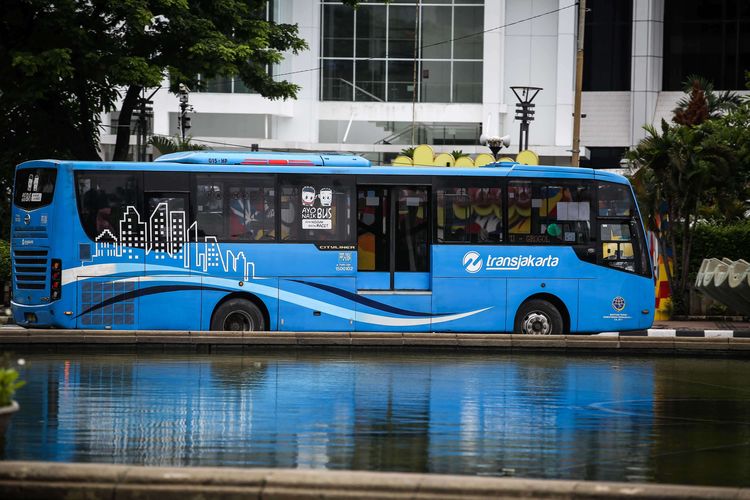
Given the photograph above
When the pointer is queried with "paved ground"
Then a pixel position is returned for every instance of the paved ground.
(703, 325)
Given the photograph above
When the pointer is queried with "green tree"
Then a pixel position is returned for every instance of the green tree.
(683, 168)
(193, 41)
(64, 63)
(712, 104)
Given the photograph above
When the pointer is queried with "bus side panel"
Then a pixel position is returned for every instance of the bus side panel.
(451, 296)
(520, 289)
(170, 303)
(613, 302)
(215, 289)
(395, 312)
(316, 304)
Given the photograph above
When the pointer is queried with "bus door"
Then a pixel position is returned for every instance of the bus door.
(170, 292)
(393, 258)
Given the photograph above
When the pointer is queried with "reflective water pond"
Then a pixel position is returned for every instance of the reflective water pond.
(667, 420)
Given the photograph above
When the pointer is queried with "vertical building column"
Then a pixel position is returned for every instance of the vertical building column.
(303, 125)
(647, 64)
(567, 20)
(493, 70)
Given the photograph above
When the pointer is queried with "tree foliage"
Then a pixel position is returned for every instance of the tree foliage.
(167, 145)
(689, 170)
(64, 63)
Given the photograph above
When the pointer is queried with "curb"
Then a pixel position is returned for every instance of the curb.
(125, 482)
(654, 340)
(680, 332)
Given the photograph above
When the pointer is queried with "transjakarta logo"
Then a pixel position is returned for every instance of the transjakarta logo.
(473, 262)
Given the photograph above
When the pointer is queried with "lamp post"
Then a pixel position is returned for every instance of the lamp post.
(525, 111)
(184, 120)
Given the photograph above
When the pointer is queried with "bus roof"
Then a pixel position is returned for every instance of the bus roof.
(322, 163)
(264, 158)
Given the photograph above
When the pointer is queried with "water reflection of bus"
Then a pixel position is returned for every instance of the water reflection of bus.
(280, 241)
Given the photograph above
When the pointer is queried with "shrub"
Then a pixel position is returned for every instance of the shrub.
(4, 260)
(710, 240)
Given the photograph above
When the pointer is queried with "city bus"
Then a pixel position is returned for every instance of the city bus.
(257, 241)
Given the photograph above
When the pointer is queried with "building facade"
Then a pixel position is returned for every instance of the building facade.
(387, 76)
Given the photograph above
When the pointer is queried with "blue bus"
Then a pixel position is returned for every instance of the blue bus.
(317, 242)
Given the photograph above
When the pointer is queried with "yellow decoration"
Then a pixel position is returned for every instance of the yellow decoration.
(402, 160)
(423, 155)
(483, 159)
(444, 160)
(506, 159)
(465, 161)
(366, 252)
(527, 157)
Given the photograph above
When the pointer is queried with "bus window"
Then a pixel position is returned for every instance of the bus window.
(615, 201)
(542, 212)
(469, 215)
(235, 208)
(617, 246)
(316, 209)
(103, 198)
(35, 187)
(373, 228)
(519, 208)
(412, 230)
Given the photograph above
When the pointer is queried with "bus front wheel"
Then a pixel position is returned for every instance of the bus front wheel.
(538, 317)
(237, 315)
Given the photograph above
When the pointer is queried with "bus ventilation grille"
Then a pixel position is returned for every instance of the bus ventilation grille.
(30, 269)
(107, 303)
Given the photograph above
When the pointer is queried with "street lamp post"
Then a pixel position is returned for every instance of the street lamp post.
(525, 112)
(185, 107)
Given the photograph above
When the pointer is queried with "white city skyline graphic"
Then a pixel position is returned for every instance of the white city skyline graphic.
(169, 238)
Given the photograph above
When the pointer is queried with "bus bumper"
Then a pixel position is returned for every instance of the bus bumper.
(40, 316)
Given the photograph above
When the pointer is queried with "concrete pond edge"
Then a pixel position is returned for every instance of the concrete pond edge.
(124, 482)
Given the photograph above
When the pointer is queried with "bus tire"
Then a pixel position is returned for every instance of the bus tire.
(237, 315)
(538, 317)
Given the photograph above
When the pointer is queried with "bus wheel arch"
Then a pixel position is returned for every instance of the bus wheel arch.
(245, 304)
(541, 302)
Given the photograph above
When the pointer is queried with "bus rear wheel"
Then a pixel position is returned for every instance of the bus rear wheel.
(538, 317)
(237, 315)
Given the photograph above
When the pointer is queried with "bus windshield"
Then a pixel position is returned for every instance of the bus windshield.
(34, 187)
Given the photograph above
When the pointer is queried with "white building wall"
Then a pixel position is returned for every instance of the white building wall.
(539, 52)
(531, 60)
(607, 120)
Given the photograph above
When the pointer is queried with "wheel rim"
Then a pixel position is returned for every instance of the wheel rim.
(536, 323)
(238, 321)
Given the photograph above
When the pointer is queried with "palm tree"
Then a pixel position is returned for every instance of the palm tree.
(408, 152)
(680, 168)
(716, 104)
(174, 144)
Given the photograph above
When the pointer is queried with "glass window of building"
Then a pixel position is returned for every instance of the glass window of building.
(402, 50)
(710, 38)
(608, 45)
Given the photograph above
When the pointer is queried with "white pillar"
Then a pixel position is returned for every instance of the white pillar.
(303, 125)
(493, 74)
(647, 64)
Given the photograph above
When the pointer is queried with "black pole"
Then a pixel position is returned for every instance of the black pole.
(183, 113)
